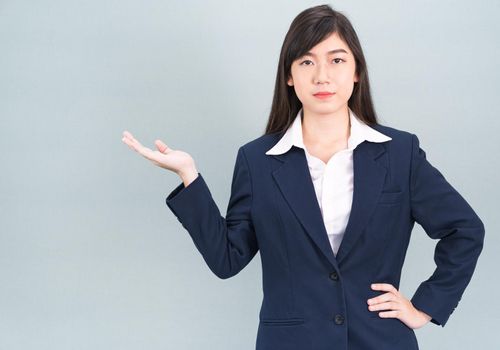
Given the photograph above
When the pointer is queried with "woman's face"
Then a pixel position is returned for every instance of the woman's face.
(323, 70)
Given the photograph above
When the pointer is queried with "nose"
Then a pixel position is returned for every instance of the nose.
(321, 74)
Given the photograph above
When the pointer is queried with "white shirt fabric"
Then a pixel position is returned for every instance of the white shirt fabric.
(333, 181)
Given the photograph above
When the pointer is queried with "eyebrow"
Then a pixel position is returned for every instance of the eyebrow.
(309, 53)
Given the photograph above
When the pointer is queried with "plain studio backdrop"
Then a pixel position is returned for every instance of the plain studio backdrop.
(90, 255)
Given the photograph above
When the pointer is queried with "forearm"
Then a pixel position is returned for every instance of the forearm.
(226, 244)
(446, 216)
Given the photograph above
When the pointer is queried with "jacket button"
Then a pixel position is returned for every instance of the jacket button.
(334, 276)
(339, 319)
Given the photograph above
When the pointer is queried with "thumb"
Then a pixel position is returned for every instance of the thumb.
(162, 147)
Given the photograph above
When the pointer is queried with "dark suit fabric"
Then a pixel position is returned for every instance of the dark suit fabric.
(313, 299)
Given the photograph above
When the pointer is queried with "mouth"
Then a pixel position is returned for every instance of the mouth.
(324, 94)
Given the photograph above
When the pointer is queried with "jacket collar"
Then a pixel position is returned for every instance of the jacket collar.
(359, 133)
(291, 174)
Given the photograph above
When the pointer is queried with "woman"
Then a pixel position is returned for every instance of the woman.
(329, 197)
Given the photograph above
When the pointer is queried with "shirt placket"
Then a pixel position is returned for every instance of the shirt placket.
(336, 196)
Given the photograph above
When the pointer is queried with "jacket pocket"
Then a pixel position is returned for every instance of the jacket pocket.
(282, 321)
(393, 197)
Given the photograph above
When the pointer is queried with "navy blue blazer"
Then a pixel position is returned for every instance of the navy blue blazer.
(313, 299)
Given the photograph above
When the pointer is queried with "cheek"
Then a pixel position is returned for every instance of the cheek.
(345, 85)
(300, 89)
(345, 78)
(346, 90)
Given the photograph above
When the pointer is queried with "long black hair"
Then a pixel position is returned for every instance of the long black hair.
(309, 28)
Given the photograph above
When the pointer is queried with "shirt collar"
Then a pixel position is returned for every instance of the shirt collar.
(359, 133)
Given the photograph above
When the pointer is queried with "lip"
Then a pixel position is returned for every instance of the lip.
(323, 94)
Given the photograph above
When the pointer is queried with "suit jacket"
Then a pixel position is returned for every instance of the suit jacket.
(313, 299)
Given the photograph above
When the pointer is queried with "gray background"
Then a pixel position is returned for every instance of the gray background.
(90, 255)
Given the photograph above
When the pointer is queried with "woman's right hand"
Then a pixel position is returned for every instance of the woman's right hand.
(174, 160)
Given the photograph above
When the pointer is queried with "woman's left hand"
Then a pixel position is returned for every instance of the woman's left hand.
(399, 307)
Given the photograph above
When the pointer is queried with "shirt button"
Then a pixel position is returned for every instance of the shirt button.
(334, 276)
(339, 319)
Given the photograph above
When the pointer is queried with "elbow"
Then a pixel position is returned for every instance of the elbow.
(222, 270)
(478, 223)
(223, 274)
(481, 232)
(476, 234)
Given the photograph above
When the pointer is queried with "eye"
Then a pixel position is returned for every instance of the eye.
(303, 63)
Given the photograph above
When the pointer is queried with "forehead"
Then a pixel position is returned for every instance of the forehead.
(331, 44)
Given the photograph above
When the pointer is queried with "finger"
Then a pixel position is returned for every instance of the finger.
(381, 298)
(131, 138)
(389, 314)
(162, 147)
(136, 146)
(127, 134)
(132, 141)
(128, 142)
(133, 145)
(389, 305)
(384, 286)
(148, 153)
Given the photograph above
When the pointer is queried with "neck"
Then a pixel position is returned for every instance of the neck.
(326, 129)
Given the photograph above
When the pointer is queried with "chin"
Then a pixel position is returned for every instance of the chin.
(322, 107)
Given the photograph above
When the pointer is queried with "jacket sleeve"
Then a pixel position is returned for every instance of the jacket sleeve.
(226, 244)
(445, 215)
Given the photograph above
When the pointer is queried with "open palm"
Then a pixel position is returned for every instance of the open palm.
(165, 157)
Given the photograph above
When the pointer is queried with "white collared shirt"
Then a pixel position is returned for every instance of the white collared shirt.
(333, 181)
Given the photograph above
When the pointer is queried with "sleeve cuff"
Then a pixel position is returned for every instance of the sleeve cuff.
(423, 301)
(182, 197)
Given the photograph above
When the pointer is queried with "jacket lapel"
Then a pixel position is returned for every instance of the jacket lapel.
(369, 176)
(294, 182)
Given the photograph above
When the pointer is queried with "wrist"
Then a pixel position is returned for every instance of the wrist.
(188, 175)
(424, 315)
